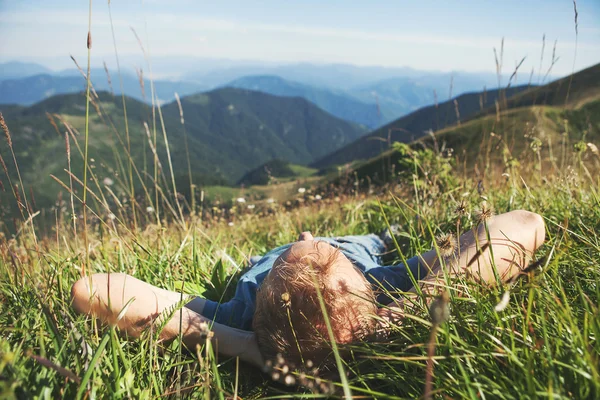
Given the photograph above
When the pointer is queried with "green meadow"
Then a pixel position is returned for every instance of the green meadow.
(115, 203)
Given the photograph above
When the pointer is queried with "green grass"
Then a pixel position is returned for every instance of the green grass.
(544, 344)
(303, 171)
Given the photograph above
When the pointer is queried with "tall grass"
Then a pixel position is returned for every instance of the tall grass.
(533, 337)
(543, 343)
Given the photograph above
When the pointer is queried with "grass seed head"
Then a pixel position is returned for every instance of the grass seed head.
(484, 213)
(461, 208)
(447, 244)
(4, 166)
(5, 129)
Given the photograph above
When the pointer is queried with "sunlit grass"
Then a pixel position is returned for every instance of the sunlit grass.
(542, 341)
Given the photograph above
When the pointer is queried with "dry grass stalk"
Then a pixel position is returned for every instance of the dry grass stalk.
(152, 146)
(5, 129)
(140, 74)
(24, 204)
(84, 75)
(180, 108)
(32, 197)
(53, 123)
(4, 167)
(457, 112)
(18, 196)
(552, 63)
(440, 312)
(98, 217)
(514, 74)
(68, 148)
(108, 78)
(576, 21)
(187, 152)
(542, 57)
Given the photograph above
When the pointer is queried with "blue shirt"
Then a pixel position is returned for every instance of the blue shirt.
(363, 251)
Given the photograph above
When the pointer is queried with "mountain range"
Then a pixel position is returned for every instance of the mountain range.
(228, 132)
(371, 96)
(415, 125)
(336, 76)
(32, 89)
(558, 120)
(17, 69)
(336, 102)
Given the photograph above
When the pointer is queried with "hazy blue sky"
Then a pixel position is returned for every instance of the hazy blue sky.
(432, 35)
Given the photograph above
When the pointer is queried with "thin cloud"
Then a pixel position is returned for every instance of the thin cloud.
(181, 22)
(185, 22)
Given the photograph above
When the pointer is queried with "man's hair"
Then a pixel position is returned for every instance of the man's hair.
(288, 319)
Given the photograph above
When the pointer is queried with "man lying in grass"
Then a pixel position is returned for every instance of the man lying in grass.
(276, 307)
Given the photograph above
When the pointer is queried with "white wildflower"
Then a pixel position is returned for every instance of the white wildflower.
(270, 200)
(149, 209)
(111, 216)
(203, 326)
(251, 206)
(108, 182)
(230, 224)
(318, 197)
(301, 190)
(240, 200)
(503, 302)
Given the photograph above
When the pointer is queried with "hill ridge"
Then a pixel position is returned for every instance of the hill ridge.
(229, 132)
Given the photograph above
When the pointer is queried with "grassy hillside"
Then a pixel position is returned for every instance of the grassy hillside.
(531, 138)
(400, 95)
(541, 342)
(275, 171)
(534, 337)
(571, 92)
(229, 132)
(414, 126)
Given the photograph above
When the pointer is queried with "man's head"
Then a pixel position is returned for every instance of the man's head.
(289, 318)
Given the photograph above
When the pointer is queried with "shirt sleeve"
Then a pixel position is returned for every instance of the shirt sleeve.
(233, 313)
(389, 280)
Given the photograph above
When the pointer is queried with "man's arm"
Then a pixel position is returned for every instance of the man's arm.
(107, 296)
(514, 237)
